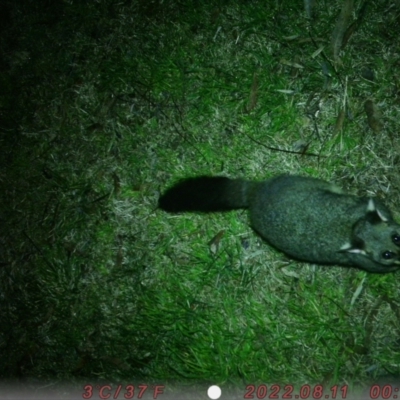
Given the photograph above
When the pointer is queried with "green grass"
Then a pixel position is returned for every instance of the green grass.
(105, 104)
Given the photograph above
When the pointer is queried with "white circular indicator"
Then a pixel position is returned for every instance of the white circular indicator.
(214, 392)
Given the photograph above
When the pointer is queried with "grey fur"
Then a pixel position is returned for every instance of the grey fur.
(306, 218)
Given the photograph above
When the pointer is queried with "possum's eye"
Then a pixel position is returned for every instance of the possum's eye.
(396, 239)
(388, 255)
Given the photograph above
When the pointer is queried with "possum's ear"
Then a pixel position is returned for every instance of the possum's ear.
(374, 216)
(357, 247)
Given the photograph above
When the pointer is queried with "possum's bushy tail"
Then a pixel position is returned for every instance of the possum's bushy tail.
(206, 194)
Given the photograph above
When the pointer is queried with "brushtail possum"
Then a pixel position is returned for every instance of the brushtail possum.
(306, 218)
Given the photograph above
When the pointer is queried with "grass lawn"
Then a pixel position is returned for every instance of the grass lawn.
(105, 104)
